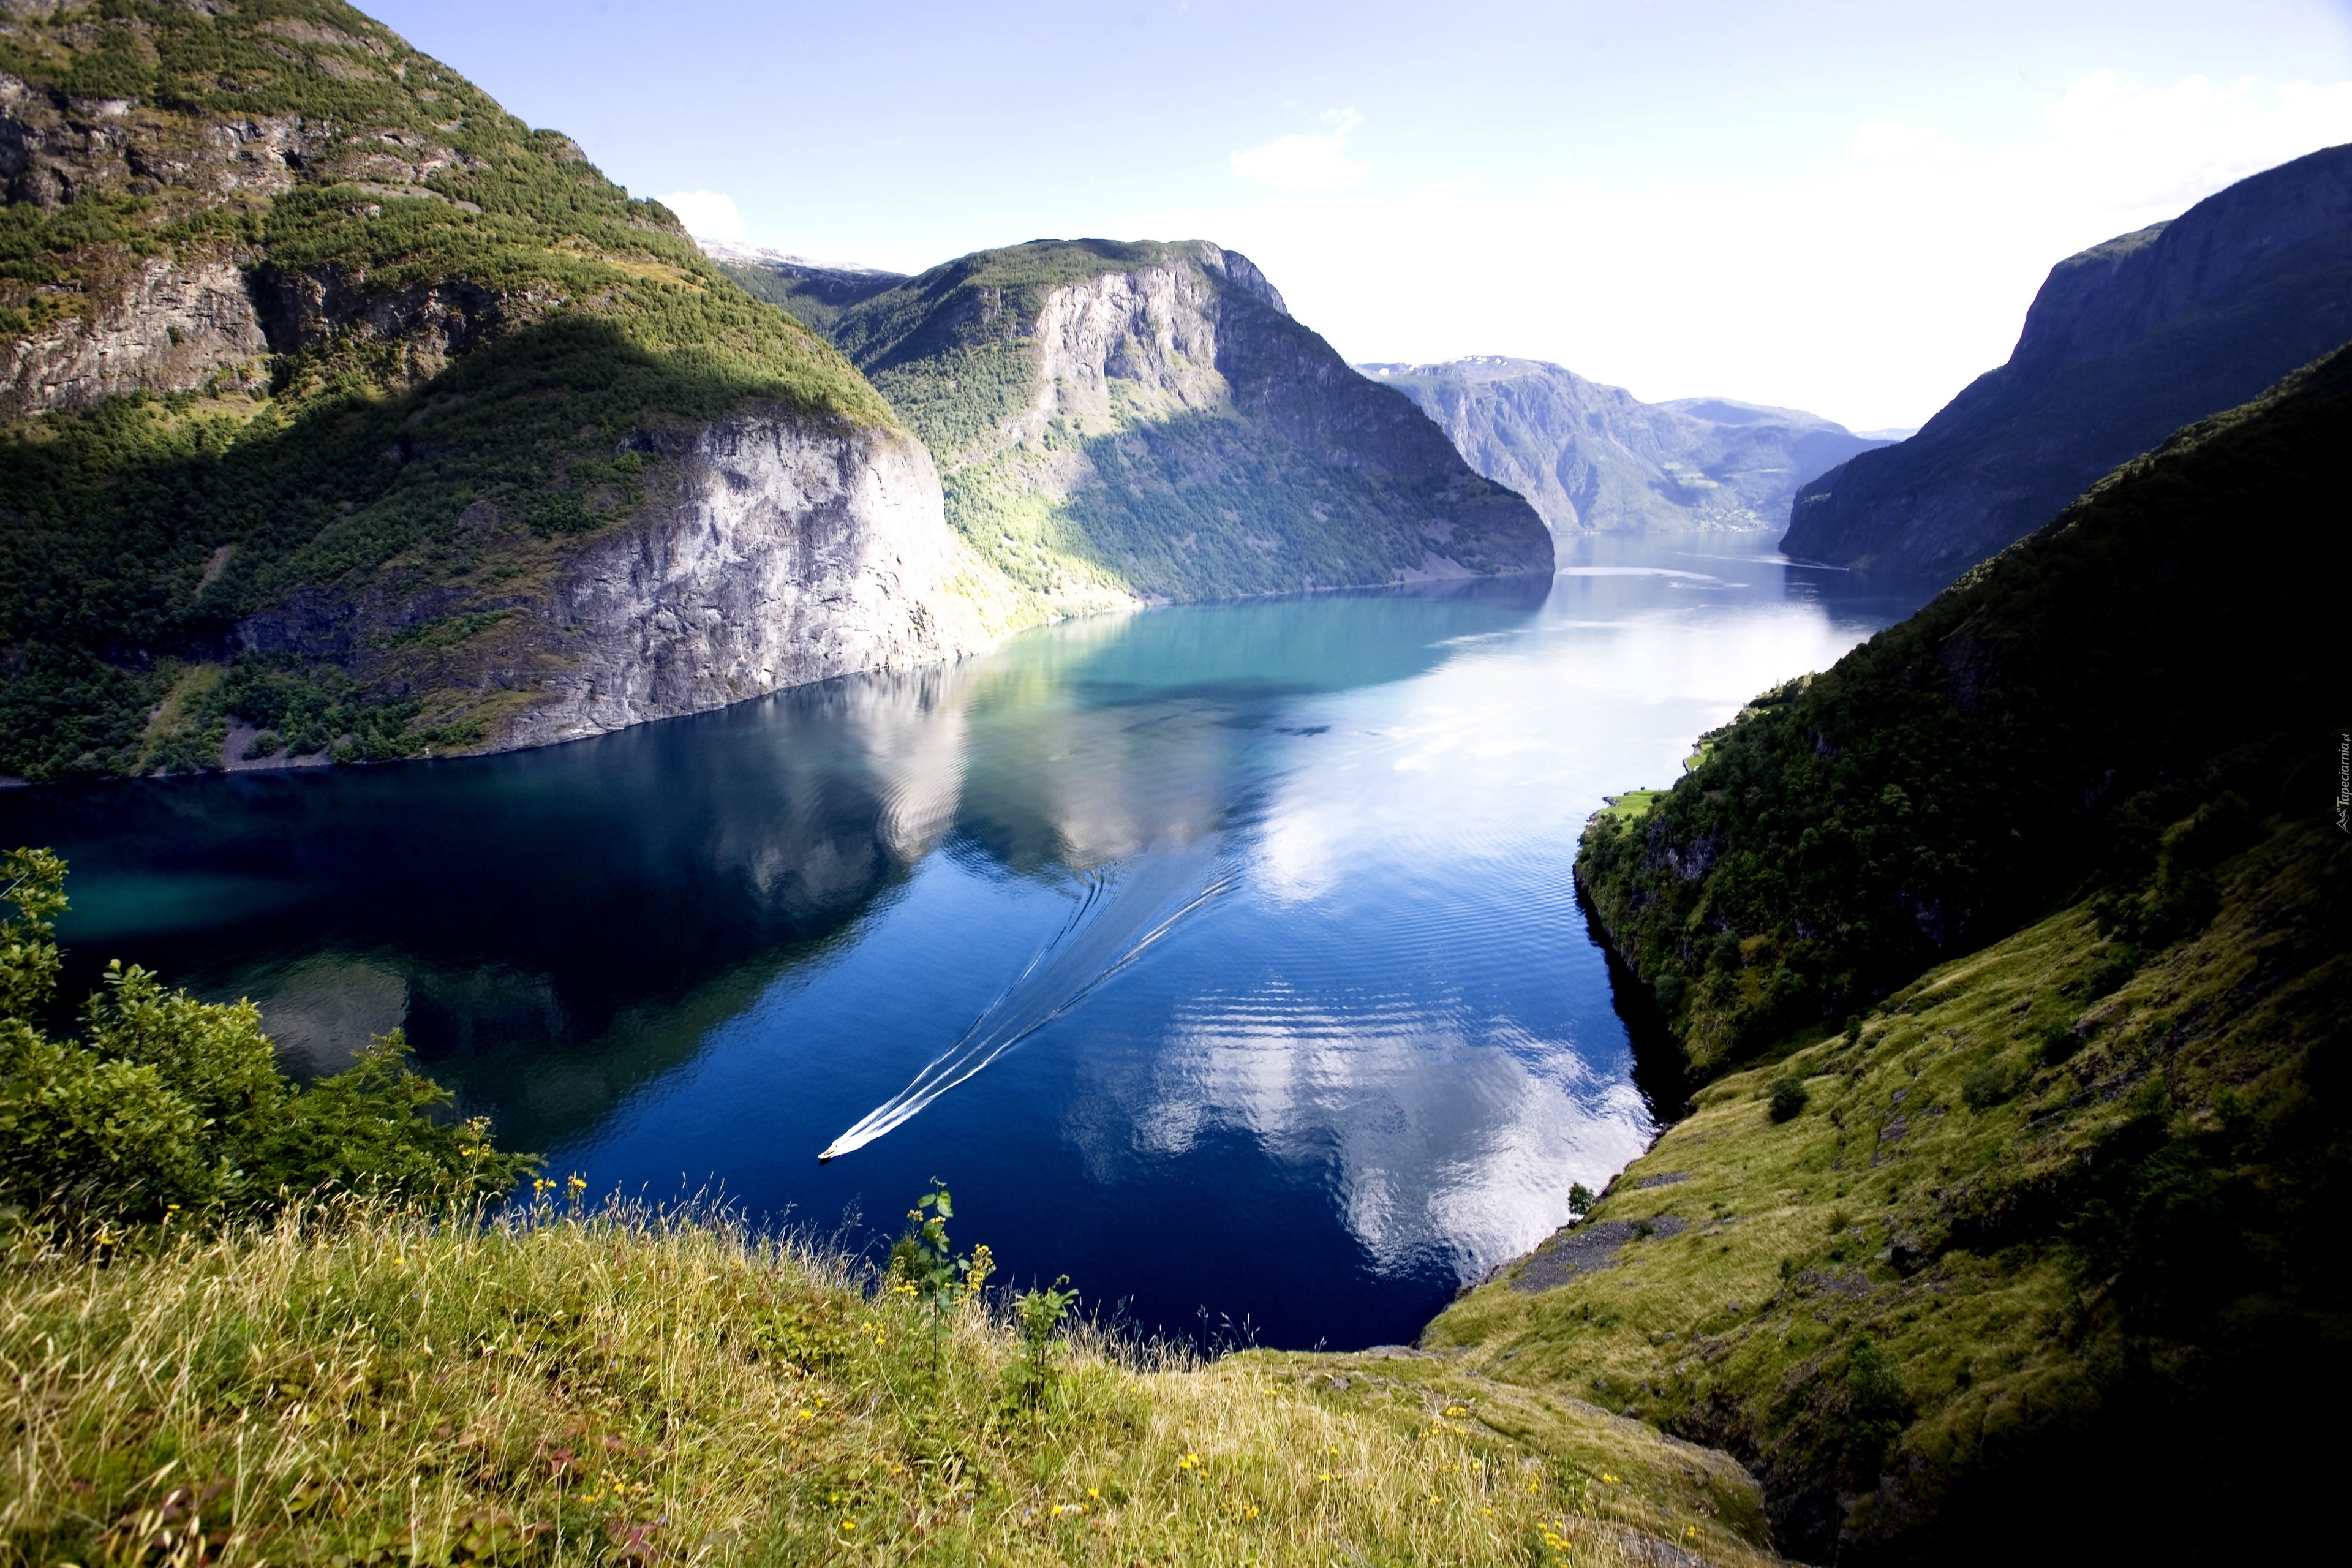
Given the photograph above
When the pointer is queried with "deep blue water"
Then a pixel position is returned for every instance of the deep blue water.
(1254, 920)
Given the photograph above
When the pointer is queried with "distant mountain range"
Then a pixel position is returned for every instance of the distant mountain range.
(1595, 459)
(1117, 421)
(2127, 342)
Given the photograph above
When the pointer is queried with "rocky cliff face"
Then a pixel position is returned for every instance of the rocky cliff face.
(770, 551)
(1597, 458)
(782, 552)
(1117, 422)
(2125, 342)
(168, 325)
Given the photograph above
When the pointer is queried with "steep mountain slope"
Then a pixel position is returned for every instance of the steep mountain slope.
(2062, 1205)
(2125, 342)
(340, 405)
(815, 293)
(1115, 421)
(1597, 458)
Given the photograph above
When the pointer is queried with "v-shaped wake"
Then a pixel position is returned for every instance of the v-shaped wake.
(1125, 910)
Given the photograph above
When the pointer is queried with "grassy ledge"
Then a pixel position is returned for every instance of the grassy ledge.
(363, 1383)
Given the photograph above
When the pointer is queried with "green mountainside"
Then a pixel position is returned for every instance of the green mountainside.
(1142, 420)
(283, 303)
(2008, 960)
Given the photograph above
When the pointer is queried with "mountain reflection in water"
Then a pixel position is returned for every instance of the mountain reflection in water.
(686, 956)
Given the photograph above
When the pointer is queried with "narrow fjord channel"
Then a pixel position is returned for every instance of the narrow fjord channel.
(1225, 958)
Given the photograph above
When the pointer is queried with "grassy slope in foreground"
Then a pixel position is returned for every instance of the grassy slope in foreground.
(461, 313)
(2037, 1244)
(366, 1385)
(1183, 438)
(2043, 1260)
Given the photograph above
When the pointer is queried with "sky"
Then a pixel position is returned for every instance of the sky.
(1843, 207)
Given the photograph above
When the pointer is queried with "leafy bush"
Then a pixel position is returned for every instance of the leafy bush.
(1788, 1100)
(1038, 1312)
(169, 1106)
(1985, 1087)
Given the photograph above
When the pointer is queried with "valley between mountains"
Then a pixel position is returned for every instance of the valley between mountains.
(1988, 986)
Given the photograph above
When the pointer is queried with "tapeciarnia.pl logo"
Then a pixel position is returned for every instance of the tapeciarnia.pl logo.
(2344, 784)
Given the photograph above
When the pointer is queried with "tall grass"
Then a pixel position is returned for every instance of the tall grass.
(357, 1383)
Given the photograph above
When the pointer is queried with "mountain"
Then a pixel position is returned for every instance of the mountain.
(342, 413)
(2005, 962)
(1120, 421)
(1597, 458)
(815, 292)
(2125, 342)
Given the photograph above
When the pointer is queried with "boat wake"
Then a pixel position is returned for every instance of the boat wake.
(1125, 908)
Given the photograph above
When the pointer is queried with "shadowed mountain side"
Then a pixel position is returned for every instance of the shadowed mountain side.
(2035, 728)
(1596, 459)
(1119, 421)
(2125, 342)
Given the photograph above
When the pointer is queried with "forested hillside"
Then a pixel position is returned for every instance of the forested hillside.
(287, 307)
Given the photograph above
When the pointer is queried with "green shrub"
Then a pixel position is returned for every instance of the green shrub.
(1985, 1087)
(1789, 1099)
(1038, 1312)
(172, 1107)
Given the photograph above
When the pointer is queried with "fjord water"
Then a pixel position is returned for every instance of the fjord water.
(1225, 958)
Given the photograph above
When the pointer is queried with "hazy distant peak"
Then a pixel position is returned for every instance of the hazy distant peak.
(1731, 411)
(779, 260)
(1591, 457)
(1473, 367)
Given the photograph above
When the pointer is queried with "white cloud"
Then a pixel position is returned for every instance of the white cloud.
(1869, 286)
(1306, 162)
(707, 215)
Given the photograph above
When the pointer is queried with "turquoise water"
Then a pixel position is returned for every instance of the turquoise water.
(1225, 958)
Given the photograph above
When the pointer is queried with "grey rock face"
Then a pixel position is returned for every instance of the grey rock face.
(173, 325)
(158, 323)
(788, 552)
(2125, 344)
(775, 551)
(1595, 459)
